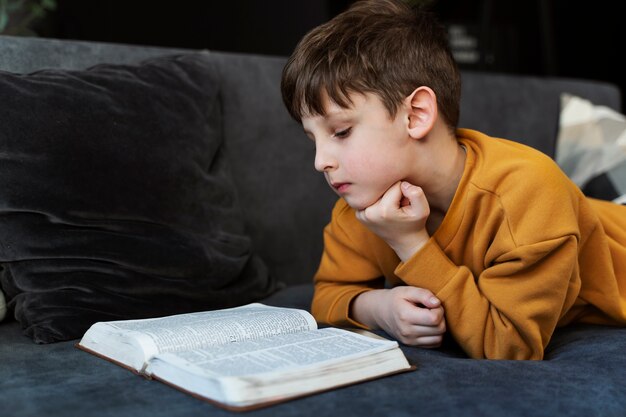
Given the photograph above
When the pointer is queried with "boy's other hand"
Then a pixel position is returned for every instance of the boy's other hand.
(413, 316)
(399, 218)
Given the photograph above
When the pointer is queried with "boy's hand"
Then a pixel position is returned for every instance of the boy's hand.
(399, 218)
(413, 316)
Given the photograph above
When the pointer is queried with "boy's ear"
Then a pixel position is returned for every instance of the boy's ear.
(422, 111)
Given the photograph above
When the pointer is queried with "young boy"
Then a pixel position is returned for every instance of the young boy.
(432, 219)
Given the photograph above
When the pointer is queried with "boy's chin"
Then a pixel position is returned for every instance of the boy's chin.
(358, 205)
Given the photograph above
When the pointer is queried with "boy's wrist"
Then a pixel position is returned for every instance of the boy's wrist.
(407, 250)
(364, 308)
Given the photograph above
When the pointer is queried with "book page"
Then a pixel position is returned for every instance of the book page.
(133, 342)
(211, 328)
(288, 351)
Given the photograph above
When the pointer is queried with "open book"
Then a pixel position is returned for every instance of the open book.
(244, 357)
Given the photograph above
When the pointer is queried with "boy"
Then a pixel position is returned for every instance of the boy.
(435, 220)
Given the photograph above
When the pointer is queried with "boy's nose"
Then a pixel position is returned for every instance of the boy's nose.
(323, 160)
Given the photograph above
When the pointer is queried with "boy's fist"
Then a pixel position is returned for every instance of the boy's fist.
(413, 316)
(399, 218)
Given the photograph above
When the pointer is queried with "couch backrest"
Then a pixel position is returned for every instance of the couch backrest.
(285, 202)
(525, 108)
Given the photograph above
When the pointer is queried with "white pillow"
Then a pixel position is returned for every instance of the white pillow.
(591, 144)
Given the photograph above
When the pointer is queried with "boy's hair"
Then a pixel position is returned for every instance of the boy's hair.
(376, 46)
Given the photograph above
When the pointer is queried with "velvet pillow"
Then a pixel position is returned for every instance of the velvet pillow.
(115, 197)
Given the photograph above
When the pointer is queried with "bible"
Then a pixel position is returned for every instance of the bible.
(245, 357)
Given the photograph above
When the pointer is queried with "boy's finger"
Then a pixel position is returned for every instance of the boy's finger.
(421, 296)
(429, 341)
(415, 195)
(422, 320)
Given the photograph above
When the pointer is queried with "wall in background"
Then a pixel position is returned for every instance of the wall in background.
(569, 38)
(269, 27)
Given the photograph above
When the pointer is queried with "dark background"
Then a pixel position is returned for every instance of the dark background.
(567, 38)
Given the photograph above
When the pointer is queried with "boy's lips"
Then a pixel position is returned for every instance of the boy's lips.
(340, 186)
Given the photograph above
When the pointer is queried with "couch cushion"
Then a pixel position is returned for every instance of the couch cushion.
(581, 376)
(3, 306)
(116, 199)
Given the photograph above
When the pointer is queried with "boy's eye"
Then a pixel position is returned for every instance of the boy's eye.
(342, 133)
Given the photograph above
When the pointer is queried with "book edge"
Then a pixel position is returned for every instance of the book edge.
(111, 360)
(265, 404)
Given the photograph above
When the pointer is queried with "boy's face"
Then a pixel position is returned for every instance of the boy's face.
(361, 150)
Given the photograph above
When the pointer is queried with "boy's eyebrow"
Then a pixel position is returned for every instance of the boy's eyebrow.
(336, 112)
(341, 114)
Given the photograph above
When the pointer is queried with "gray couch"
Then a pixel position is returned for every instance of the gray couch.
(286, 204)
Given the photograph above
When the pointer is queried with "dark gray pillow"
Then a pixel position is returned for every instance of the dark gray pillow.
(115, 197)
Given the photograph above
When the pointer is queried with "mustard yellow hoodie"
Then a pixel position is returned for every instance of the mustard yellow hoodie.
(520, 251)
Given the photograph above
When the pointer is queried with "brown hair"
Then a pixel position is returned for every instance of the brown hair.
(378, 46)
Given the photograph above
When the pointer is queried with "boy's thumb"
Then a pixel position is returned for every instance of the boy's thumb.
(422, 296)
